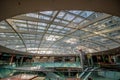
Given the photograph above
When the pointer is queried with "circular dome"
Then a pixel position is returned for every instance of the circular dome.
(61, 32)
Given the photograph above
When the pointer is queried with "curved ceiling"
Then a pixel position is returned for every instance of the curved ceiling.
(61, 32)
(47, 32)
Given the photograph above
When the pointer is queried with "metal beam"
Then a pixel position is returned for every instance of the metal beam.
(9, 21)
(34, 32)
(89, 24)
(48, 26)
(104, 16)
(104, 31)
(38, 39)
(27, 32)
(85, 25)
(103, 35)
(89, 47)
(27, 18)
(82, 37)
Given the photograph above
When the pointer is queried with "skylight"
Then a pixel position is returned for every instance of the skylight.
(71, 41)
(52, 38)
(52, 32)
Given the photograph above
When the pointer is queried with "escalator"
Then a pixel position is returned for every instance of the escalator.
(83, 73)
(5, 72)
(86, 73)
(53, 76)
(50, 75)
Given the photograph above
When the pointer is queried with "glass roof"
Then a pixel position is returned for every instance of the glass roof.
(61, 32)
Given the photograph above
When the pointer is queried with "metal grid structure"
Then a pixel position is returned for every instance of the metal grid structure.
(61, 32)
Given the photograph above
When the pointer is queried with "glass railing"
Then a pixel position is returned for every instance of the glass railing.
(54, 64)
(4, 72)
(8, 70)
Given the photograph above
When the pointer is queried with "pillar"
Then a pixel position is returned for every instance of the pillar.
(11, 59)
(21, 61)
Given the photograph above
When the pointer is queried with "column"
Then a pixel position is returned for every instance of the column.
(21, 61)
(11, 59)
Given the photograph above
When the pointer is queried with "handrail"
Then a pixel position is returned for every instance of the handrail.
(83, 72)
(89, 73)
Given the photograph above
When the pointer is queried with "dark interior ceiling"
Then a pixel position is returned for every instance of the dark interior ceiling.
(12, 8)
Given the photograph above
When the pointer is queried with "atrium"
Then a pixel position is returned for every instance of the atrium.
(59, 42)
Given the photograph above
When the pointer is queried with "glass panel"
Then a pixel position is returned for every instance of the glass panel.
(75, 12)
(85, 14)
(69, 17)
(77, 20)
(61, 14)
(47, 12)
